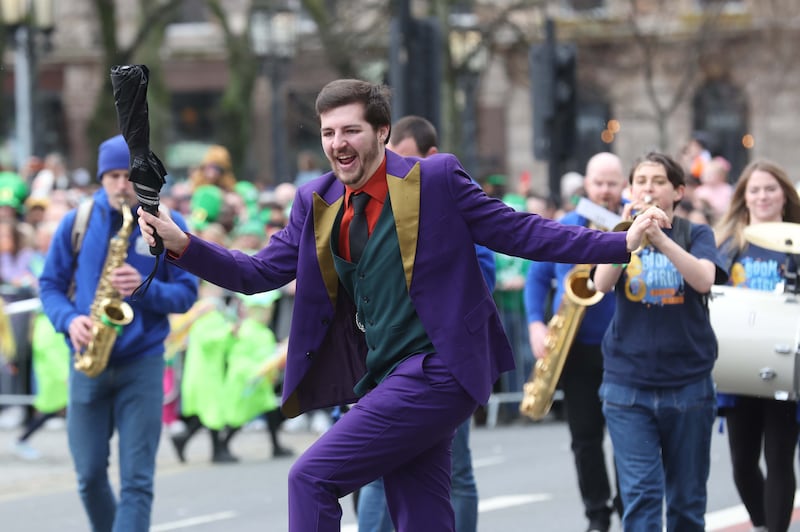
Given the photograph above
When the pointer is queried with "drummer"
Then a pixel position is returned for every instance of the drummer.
(764, 193)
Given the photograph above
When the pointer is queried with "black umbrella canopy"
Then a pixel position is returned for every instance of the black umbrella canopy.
(147, 172)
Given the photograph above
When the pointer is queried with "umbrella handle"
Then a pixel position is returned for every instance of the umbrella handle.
(158, 248)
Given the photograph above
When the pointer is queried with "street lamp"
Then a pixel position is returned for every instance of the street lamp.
(24, 18)
(469, 58)
(273, 32)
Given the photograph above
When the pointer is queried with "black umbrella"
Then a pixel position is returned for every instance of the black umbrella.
(147, 172)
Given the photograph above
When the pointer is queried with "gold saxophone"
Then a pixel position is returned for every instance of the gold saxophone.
(579, 293)
(108, 312)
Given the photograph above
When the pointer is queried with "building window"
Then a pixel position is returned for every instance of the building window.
(194, 115)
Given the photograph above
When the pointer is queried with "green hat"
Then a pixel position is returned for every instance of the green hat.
(206, 205)
(515, 201)
(262, 299)
(251, 227)
(496, 179)
(13, 190)
(247, 191)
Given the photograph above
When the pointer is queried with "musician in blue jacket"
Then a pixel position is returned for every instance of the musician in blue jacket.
(127, 395)
(583, 369)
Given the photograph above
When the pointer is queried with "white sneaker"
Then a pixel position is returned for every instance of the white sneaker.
(257, 425)
(296, 424)
(12, 417)
(56, 424)
(24, 451)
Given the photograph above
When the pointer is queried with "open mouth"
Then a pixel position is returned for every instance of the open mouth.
(346, 161)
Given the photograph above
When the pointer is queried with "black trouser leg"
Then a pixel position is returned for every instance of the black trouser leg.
(580, 380)
(35, 424)
(274, 419)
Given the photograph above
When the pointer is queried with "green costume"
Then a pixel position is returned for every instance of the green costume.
(203, 380)
(50, 365)
(245, 396)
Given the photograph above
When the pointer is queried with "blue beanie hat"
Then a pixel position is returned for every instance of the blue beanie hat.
(113, 155)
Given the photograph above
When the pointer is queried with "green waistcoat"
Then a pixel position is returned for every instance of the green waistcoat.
(377, 285)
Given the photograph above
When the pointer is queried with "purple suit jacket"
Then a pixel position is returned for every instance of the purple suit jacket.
(439, 214)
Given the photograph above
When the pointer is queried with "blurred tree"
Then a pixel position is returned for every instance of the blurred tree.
(236, 104)
(154, 17)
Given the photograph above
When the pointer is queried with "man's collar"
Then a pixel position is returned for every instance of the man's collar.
(375, 187)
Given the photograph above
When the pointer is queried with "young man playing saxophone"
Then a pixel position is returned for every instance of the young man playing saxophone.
(124, 392)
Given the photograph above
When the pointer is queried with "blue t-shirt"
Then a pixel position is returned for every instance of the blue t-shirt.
(757, 268)
(661, 335)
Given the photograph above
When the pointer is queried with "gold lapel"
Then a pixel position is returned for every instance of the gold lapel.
(324, 218)
(404, 193)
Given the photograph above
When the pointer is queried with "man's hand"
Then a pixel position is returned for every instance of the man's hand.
(125, 279)
(80, 333)
(537, 331)
(175, 240)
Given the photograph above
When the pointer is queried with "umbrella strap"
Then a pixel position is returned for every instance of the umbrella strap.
(146, 283)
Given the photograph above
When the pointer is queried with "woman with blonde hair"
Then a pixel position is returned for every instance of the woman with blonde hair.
(764, 193)
(215, 169)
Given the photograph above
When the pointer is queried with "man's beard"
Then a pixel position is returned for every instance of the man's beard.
(366, 162)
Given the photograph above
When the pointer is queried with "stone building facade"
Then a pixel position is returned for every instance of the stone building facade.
(735, 72)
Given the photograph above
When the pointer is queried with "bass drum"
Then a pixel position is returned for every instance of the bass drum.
(758, 334)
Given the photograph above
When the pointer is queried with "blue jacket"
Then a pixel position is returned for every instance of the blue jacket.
(486, 262)
(538, 285)
(172, 290)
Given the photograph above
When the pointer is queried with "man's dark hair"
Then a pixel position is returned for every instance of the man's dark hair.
(419, 129)
(375, 98)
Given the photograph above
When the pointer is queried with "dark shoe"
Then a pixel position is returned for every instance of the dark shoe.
(597, 526)
(223, 456)
(179, 442)
(282, 452)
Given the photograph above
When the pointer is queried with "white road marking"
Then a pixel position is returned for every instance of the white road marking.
(489, 505)
(193, 521)
(507, 501)
(487, 461)
(735, 515)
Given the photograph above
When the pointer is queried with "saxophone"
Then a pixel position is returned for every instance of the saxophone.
(108, 312)
(579, 293)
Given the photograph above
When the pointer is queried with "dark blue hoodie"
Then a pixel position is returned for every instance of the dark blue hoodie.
(172, 290)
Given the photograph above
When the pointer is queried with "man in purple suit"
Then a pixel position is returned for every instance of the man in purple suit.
(402, 322)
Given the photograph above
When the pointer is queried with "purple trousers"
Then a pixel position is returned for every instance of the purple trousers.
(401, 431)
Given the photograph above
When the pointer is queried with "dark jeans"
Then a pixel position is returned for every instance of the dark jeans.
(662, 446)
(580, 380)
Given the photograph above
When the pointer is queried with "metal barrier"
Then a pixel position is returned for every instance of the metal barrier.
(11, 308)
(7, 399)
(496, 399)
